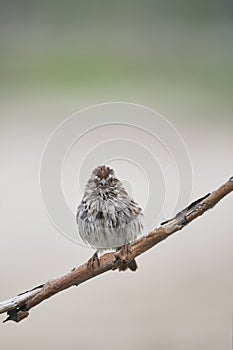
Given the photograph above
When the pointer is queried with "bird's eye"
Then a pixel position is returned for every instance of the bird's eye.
(96, 179)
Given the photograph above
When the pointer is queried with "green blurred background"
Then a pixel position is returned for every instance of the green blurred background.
(180, 50)
(176, 57)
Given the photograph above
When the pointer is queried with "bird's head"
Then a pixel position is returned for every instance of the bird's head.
(104, 177)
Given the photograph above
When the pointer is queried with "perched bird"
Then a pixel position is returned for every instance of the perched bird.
(107, 217)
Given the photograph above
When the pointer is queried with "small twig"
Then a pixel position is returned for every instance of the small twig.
(17, 308)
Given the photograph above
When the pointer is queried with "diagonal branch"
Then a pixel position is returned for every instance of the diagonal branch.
(17, 308)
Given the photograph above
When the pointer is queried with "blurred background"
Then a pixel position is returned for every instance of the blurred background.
(60, 56)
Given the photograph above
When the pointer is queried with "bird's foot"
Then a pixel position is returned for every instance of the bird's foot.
(94, 259)
(122, 255)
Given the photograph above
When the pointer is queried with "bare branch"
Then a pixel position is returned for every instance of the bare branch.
(17, 308)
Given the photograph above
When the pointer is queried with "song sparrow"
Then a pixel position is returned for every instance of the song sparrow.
(107, 217)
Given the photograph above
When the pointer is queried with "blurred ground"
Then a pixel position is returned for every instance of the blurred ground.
(53, 64)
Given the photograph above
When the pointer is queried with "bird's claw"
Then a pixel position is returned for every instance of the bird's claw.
(122, 255)
(92, 260)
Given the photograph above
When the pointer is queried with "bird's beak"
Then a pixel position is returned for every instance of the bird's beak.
(103, 182)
